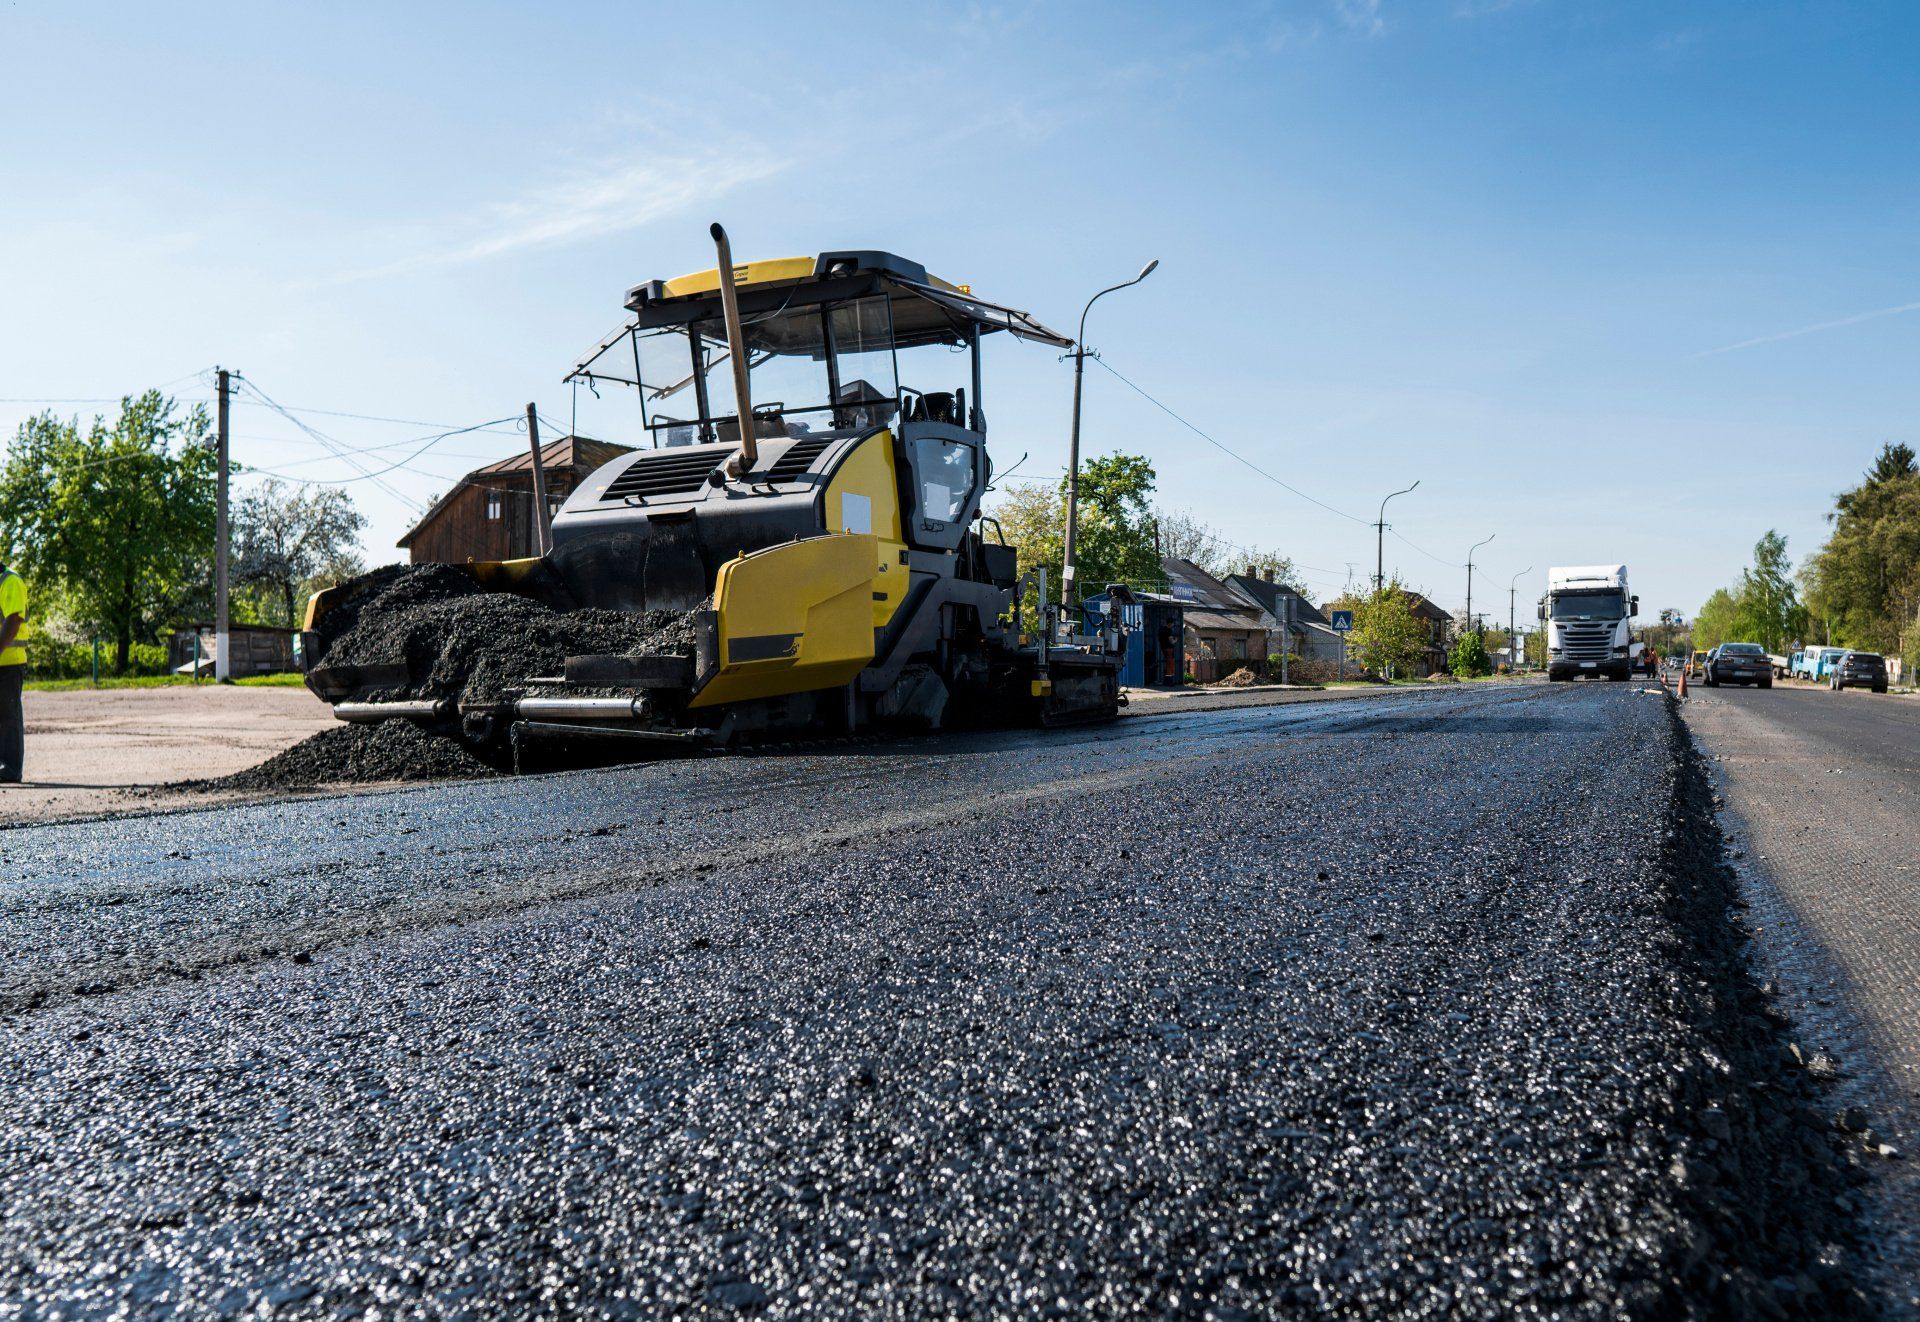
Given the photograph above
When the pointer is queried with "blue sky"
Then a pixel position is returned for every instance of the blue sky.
(1614, 281)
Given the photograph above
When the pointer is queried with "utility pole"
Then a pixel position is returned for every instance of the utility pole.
(221, 673)
(542, 531)
(1476, 547)
(1513, 585)
(1286, 632)
(1073, 445)
(1380, 542)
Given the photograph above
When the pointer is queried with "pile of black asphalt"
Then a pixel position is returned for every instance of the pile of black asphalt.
(1417, 1005)
(458, 642)
(365, 754)
(461, 642)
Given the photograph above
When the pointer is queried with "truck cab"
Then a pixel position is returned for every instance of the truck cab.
(1588, 613)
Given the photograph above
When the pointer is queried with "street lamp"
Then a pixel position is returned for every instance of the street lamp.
(1073, 449)
(1476, 547)
(1380, 542)
(1512, 587)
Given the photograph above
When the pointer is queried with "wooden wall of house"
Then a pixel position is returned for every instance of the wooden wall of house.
(461, 531)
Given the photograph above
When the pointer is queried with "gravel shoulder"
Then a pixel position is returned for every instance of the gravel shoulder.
(1382, 1008)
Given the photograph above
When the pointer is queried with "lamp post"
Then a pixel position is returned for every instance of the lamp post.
(1512, 587)
(1073, 448)
(1380, 542)
(1476, 546)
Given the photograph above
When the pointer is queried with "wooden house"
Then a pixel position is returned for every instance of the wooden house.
(489, 513)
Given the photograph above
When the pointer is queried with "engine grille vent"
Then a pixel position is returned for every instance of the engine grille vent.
(1586, 642)
(669, 472)
(799, 458)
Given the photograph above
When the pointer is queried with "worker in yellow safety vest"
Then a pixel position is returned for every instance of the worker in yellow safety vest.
(13, 674)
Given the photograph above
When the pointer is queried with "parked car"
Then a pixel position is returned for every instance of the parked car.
(1858, 670)
(1739, 663)
(1697, 664)
(1821, 661)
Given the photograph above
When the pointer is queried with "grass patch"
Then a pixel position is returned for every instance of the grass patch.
(286, 681)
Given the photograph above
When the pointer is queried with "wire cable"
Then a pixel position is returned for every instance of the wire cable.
(1231, 453)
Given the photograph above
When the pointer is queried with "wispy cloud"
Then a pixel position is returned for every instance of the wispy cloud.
(590, 201)
(1361, 16)
(1817, 326)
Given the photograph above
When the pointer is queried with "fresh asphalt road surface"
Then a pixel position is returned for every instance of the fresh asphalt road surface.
(1822, 796)
(1409, 1004)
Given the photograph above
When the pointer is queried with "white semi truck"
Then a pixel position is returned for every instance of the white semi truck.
(1588, 614)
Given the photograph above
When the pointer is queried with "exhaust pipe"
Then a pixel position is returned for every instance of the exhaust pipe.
(418, 709)
(737, 351)
(578, 709)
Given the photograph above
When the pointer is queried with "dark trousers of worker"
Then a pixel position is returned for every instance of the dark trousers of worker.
(13, 724)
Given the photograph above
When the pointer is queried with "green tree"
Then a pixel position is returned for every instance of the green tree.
(1717, 621)
(1863, 587)
(118, 518)
(1766, 608)
(1115, 535)
(1387, 635)
(1469, 659)
(288, 537)
(1114, 540)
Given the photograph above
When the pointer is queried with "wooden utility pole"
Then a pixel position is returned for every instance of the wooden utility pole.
(542, 529)
(221, 672)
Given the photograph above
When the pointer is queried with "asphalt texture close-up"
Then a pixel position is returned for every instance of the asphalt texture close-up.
(1420, 1004)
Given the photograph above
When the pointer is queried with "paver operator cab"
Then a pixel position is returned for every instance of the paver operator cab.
(825, 532)
(1588, 614)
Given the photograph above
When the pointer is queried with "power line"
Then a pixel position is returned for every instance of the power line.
(360, 417)
(1451, 564)
(331, 444)
(1230, 452)
(377, 473)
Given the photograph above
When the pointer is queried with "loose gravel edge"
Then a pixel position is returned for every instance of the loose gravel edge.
(1758, 1166)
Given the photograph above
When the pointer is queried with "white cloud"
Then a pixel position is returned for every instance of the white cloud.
(1835, 324)
(591, 201)
(1361, 16)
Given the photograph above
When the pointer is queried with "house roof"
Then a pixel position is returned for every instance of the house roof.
(1268, 596)
(1423, 607)
(579, 454)
(1231, 621)
(582, 453)
(1187, 581)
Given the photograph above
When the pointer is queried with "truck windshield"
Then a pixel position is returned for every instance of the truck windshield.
(1610, 605)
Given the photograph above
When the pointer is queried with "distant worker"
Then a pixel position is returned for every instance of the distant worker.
(13, 674)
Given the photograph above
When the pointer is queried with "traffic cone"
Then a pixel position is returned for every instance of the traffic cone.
(1683, 680)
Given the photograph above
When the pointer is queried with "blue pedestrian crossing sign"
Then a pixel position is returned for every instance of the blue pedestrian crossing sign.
(1343, 621)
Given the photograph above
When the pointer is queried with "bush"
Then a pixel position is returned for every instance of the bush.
(49, 657)
(1469, 658)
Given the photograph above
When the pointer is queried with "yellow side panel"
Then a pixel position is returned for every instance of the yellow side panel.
(793, 618)
(749, 273)
(868, 477)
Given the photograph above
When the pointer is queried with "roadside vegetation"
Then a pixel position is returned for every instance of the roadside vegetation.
(112, 524)
(1861, 589)
(1122, 533)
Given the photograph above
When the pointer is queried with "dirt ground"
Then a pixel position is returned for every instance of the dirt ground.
(101, 751)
